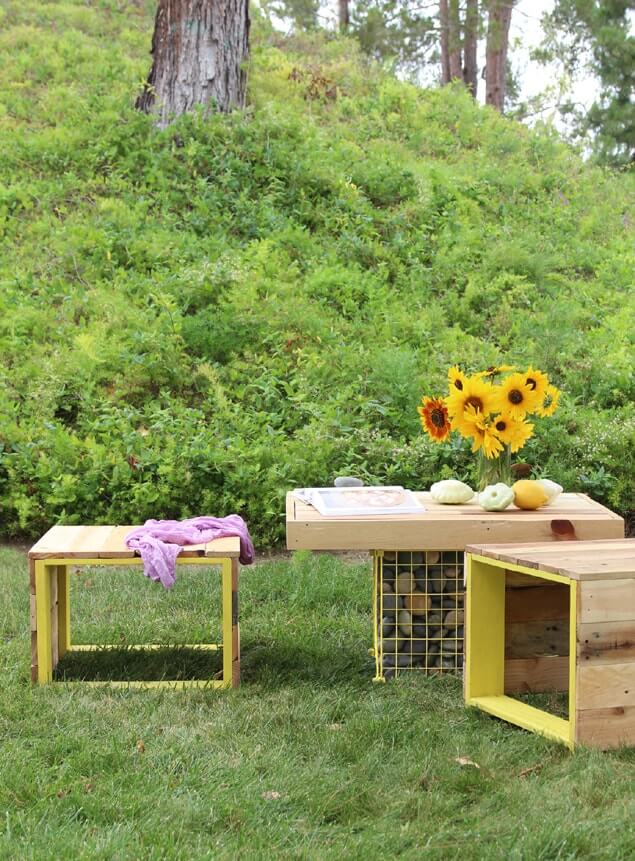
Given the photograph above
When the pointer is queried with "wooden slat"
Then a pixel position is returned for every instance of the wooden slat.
(607, 601)
(605, 685)
(579, 560)
(543, 601)
(235, 628)
(223, 547)
(108, 542)
(532, 639)
(606, 727)
(606, 642)
(532, 675)
(34, 660)
(450, 527)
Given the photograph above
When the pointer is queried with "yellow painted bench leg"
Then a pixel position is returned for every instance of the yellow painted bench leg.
(228, 652)
(43, 575)
(484, 630)
(64, 610)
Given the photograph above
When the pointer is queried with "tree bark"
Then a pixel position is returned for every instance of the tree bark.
(470, 42)
(198, 51)
(500, 15)
(454, 40)
(444, 20)
(343, 15)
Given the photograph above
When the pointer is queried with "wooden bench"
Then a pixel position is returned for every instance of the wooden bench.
(65, 546)
(590, 587)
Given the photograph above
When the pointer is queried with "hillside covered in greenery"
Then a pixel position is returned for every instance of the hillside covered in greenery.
(196, 320)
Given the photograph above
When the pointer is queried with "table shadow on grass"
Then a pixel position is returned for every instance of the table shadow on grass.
(170, 663)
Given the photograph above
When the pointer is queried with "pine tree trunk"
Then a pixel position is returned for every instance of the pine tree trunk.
(500, 15)
(343, 15)
(198, 51)
(470, 67)
(454, 40)
(444, 21)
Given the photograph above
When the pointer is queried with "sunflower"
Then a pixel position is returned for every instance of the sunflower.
(475, 393)
(456, 379)
(515, 397)
(482, 432)
(550, 401)
(537, 382)
(512, 432)
(434, 418)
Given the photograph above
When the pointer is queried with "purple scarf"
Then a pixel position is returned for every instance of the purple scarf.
(159, 542)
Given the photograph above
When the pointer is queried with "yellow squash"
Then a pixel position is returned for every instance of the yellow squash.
(529, 494)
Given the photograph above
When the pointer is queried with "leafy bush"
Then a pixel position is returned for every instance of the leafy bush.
(198, 319)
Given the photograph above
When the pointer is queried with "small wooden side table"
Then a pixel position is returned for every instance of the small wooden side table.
(592, 585)
(98, 546)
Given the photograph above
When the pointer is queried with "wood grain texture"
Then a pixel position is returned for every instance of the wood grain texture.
(607, 559)
(532, 639)
(607, 601)
(532, 675)
(606, 727)
(606, 642)
(451, 527)
(605, 685)
(108, 542)
(543, 601)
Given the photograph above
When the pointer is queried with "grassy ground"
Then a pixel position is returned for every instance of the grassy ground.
(308, 759)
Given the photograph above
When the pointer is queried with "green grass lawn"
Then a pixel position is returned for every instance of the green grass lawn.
(309, 759)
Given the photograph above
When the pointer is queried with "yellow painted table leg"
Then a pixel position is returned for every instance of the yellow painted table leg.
(43, 575)
(63, 610)
(226, 587)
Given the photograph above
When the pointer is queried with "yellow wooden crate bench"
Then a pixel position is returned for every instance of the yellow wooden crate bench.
(589, 586)
(64, 546)
(418, 565)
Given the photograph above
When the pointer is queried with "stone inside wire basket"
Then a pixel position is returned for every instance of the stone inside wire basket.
(419, 611)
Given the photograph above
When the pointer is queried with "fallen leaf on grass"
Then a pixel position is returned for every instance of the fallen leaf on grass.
(531, 770)
(271, 795)
(463, 761)
(141, 746)
(335, 727)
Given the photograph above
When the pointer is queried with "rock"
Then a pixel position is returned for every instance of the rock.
(432, 557)
(404, 660)
(419, 631)
(453, 618)
(435, 602)
(405, 583)
(418, 647)
(404, 620)
(460, 632)
(386, 587)
(451, 557)
(387, 626)
(390, 555)
(348, 481)
(388, 573)
(417, 557)
(436, 580)
(391, 645)
(435, 618)
(389, 602)
(417, 603)
(389, 674)
(420, 578)
(404, 557)
(449, 664)
(388, 661)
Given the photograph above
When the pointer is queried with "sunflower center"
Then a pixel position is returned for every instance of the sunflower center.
(458, 385)
(500, 426)
(515, 396)
(531, 383)
(475, 402)
(437, 418)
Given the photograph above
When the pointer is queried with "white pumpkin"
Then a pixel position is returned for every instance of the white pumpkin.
(551, 488)
(451, 492)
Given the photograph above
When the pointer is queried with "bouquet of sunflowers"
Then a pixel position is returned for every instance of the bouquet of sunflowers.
(491, 408)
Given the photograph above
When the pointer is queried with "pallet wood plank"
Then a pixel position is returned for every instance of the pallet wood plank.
(605, 685)
(533, 675)
(531, 639)
(542, 601)
(606, 727)
(606, 642)
(606, 601)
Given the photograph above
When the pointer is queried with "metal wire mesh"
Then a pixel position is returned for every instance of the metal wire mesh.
(418, 611)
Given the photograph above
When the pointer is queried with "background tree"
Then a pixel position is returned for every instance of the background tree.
(198, 52)
(459, 42)
(499, 16)
(596, 36)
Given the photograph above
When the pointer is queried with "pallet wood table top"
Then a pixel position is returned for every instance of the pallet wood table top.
(449, 527)
(610, 559)
(107, 542)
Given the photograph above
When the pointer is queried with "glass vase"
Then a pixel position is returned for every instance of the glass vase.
(491, 470)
